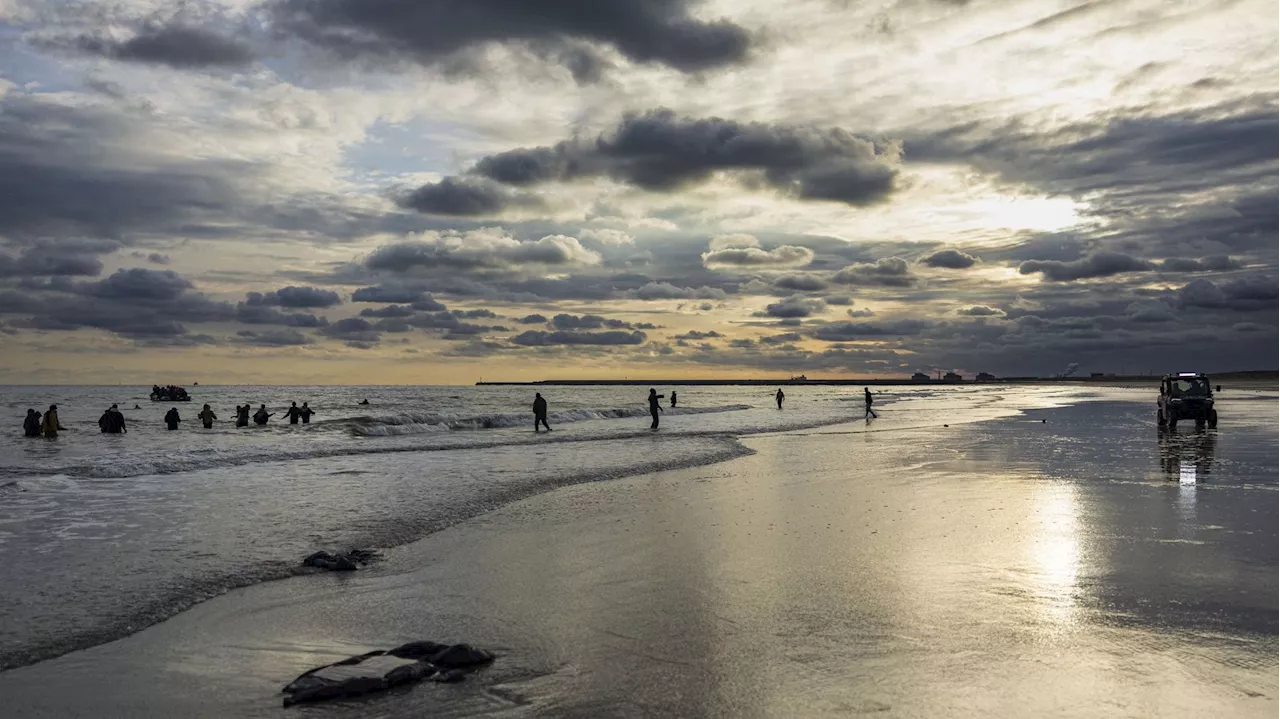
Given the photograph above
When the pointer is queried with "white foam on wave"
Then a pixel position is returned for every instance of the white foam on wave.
(425, 423)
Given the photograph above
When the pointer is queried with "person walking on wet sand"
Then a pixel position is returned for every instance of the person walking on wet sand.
(206, 417)
(779, 396)
(654, 406)
(31, 425)
(539, 412)
(868, 399)
(306, 413)
(50, 426)
(293, 413)
(673, 398)
(171, 418)
(262, 415)
(242, 415)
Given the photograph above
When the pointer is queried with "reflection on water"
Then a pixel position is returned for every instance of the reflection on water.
(1187, 457)
(1056, 552)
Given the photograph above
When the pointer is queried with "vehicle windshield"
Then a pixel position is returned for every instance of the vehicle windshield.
(1193, 387)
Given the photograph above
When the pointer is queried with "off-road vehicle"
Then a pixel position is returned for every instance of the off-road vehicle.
(1186, 395)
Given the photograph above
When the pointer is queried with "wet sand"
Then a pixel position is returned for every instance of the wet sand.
(1088, 566)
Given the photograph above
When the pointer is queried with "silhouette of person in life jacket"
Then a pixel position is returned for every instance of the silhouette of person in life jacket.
(242, 415)
(262, 415)
(206, 417)
(293, 413)
(306, 413)
(779, 396)
(171, 418)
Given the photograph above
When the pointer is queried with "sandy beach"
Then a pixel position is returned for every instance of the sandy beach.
(1067, 562)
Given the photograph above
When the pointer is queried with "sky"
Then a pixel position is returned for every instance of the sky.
(439, 192)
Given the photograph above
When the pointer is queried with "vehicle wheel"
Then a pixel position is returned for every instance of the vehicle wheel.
(1199, 424)
(1173, 422)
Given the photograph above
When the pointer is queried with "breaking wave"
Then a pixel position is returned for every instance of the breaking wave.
(426, 422)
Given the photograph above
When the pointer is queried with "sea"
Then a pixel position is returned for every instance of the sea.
(104, 535)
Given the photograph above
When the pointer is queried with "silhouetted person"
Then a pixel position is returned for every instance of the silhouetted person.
(540, 412)
(206, 417)
(293, 413)
(50, 426)
(31, 425)
(654, 406)
(242, 415)
(262, 415)
(779, 396)
(306, 413)
(868, 399)
(673, 398)
(363, 401)
(137, 406)
(112, 421)
(171, 418)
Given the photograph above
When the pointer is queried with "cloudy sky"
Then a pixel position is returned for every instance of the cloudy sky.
(434, 191)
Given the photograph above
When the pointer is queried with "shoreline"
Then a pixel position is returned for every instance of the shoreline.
(694, 567)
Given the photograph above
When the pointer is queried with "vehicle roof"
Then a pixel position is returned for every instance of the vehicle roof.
(1186, 375)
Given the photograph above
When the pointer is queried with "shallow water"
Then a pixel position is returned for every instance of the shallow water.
(111, 533)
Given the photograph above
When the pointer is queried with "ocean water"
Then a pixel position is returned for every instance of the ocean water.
(106, 534)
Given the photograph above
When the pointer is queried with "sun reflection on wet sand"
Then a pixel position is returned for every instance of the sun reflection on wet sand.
(1055, 552)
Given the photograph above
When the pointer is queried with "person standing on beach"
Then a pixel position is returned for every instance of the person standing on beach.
(31, 425)
(539, 412)
(654, 406)
(242, 415)
(306, 413)
(779, 396)
(262, 415)
(50, 426)
(673, 398)
(206, 417)
(293, 413)
(171, 418)
(868, 399)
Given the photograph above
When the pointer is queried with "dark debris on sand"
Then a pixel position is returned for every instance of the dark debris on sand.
(381, 670)
(341, 561)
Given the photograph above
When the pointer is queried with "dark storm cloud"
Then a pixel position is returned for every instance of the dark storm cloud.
(785, 338)
(787, 255)
(273, 338)
(390, 311)
(251, 314)
(587, 322)
(661, 152)
(979, 311)
(139, 283)
(1257, 292)
(1216, 263)
(800, 282)
(1097, 264)
(848, 331)
(532, 320)
(383, 293)
(62, 174)
(458, 197)
(795, 306)
(668, 291)
(885, 272)
(177, 46)
(475, 314)
(698, 335)
(356, 332)
(291, 296)
(482, 253)
(443, 32)
(950, 259)
(158, 258)
(535, 338)
(41, 261)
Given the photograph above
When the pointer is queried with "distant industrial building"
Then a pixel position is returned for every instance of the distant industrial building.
(951, 377)
(919, 377)
(986, 377)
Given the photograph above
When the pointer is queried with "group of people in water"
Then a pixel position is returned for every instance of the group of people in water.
(655, 406)
(112, 420)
